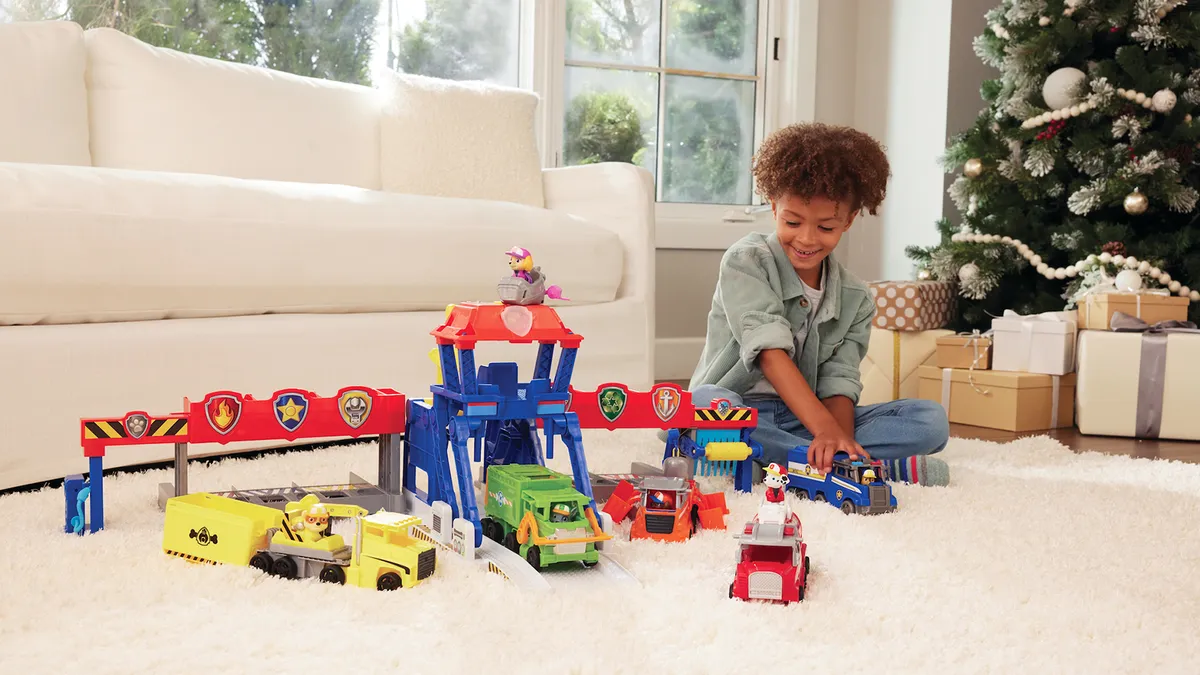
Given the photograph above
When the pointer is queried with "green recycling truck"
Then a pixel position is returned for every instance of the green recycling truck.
(539, 515)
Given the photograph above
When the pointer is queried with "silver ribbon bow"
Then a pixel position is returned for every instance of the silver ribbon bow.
(1153, 368)
(973, 340)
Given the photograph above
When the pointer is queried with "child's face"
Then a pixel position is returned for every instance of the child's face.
(809, 231)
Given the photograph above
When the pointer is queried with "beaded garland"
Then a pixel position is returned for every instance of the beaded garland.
(1105, 258)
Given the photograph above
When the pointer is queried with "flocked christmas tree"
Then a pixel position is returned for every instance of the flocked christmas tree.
(1084, 158)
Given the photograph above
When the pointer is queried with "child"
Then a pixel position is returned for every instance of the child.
(789, 326)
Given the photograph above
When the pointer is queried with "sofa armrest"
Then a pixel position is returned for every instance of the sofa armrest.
(619, 197)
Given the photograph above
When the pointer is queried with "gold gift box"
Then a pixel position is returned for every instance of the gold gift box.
(1000, 399)
(959, 351)
(1096, 311)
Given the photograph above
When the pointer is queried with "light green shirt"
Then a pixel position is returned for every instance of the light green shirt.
(760, 303)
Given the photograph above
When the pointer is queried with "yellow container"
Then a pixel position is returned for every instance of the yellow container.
(204, 527)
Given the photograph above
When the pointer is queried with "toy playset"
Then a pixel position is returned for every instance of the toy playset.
(385, 534)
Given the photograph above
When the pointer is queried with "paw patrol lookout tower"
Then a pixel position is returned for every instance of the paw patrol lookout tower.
(493, 410)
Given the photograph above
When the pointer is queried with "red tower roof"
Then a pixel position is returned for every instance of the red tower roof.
(472, 322)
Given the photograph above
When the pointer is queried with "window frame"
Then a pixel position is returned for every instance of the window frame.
(785, 93)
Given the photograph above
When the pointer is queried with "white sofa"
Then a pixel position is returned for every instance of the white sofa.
(172, 225)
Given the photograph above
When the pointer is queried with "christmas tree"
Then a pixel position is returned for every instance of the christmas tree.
(1082, 165)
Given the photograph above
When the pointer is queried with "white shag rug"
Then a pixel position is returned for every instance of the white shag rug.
(1035, 559)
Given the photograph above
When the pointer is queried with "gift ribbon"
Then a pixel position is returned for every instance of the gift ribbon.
(1153, 368)
(973, 340)
(895, 365)
(1027, 324)
(1055, 386)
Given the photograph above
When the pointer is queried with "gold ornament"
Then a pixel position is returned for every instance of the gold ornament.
(1136, 203)
(973, 167)
(924, 275)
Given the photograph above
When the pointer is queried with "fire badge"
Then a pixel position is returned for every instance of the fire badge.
(223, 412)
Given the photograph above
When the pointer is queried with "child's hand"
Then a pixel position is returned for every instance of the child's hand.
(825, 445)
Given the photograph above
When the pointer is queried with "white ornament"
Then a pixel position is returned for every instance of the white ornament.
(1164, 279)
(1140, 98)
(1131, 262)
(1184, 291)
(1143, 267)
(1173, 286)
(1105, 257)
(1006, 239)
(1044, 21)
(1195, 296)
(1035, 260)
(1042, 267)
(1071, 271)
(1060, 89)
(1118, 260)
(1128, 280)
(1060, 273)
(1163, 101)
(1155, 272)
(968, 272)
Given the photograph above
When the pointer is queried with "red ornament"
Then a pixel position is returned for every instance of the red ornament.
(1114, 29)
(1052, 130)
(1113, 248)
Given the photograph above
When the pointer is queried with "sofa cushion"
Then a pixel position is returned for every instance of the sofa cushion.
(430, 125)
(159, 109)
(43, 96)
(96, 245)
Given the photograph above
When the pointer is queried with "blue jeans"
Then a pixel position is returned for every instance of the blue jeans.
(891, 430)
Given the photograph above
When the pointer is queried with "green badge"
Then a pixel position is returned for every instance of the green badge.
(612, 403)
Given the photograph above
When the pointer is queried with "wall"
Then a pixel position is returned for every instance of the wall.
(901, 70)
(967, 72)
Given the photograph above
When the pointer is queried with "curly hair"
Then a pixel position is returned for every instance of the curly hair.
(814, 159)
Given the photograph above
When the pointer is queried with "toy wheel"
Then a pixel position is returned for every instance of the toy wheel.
(800, 493)
(510, 542)
(847, 507)
(800, 593)
(489, 529)
(819, 497)
(261, 562)
(333, 574)
(285, 567)
(534, 556)
(807, 567)
(589, 563)
(731, 591)
(695, 527)
(389, 582)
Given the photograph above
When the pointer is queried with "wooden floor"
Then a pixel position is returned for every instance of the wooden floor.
(1182, 451)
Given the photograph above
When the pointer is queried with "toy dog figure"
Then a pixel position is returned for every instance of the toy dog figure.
(311, 523)
(527, 285)
(774, 508)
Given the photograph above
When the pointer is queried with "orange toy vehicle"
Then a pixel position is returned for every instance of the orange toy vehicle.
(666, 508)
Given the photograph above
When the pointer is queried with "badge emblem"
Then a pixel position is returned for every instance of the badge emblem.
(136, 425)
(666, 402)
(723, 406)
(223, 412)
(612, 402)
(291, 409)
(355, 406)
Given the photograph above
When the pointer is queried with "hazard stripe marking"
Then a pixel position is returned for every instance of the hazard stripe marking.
(104, 429)
(175, 427)
(733, 415)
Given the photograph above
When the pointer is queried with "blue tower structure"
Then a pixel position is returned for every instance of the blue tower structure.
(719, 443)
(489, 410)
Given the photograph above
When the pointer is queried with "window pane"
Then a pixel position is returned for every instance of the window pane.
(708, 140)
(345, 40)
(613, 31)
(719, 36)
(610, 116)
(456, 39)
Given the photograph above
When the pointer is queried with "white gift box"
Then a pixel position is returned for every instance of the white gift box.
(1039, 343)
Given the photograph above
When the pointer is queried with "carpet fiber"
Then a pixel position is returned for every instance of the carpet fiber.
(1034, 558)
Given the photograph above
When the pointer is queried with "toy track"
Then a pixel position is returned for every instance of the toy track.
(568, 576)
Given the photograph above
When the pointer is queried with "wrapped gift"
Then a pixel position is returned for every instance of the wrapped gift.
(912, 305)
(1140, 380)
(965, 350)
(1001, 399)
(889, 370)
(1039, 343)
(1096, 310)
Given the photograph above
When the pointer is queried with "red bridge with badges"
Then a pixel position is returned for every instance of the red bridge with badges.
(716, 436)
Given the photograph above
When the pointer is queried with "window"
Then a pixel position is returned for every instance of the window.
(684, 88)
(673, 85)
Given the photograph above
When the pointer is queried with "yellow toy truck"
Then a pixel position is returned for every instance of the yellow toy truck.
(306, 539)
